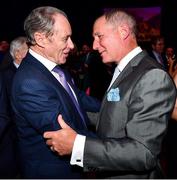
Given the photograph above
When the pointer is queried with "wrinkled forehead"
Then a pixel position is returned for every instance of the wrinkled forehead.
(61, 22)
(100, 21)
(62, 29)
(100, 26)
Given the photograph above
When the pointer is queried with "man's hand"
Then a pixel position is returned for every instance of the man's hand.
(61, 141)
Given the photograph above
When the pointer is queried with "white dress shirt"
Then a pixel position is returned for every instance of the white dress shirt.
(79, 143)
(49, 65)
(15, 64)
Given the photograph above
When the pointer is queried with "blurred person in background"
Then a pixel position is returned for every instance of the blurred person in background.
(4, 46)
(8, 157)
(18, 50)
(171, 60)
(157, 52)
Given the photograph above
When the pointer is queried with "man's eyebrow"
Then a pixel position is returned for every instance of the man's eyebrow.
(96, 33)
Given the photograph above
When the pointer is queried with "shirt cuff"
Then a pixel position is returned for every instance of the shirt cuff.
(78, 151)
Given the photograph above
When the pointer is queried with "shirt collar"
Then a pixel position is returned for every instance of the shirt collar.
(124, 61)
(46, 62)
(15, 64)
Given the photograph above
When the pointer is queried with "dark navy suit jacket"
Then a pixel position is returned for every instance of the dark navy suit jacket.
(8, 166)
(37, 99)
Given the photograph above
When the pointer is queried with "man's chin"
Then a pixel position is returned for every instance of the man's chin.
(105, 61)
(63, 61)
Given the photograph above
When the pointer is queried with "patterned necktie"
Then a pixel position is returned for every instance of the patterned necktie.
(115, 75)
(64, 83)
(160, 59)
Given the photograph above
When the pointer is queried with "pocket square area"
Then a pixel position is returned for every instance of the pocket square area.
(113, 95)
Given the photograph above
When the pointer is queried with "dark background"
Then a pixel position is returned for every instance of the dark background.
(82, 15)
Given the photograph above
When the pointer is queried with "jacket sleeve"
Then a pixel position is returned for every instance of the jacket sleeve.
(89, 103)
(37, 103)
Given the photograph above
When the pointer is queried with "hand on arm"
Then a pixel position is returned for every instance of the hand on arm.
(62, 140)
(170, 64)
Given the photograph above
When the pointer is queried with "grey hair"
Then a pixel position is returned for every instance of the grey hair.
(17, 44)
(118, 17)
(40, 19)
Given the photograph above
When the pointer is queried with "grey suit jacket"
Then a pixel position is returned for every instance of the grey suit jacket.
(131, 130)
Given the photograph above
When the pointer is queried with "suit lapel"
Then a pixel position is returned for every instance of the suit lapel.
(45, 72)
(34, 63)
(126, 71)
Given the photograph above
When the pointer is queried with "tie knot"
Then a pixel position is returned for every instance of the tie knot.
(58, 70)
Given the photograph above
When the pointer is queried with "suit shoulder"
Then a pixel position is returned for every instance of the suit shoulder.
(147, 63)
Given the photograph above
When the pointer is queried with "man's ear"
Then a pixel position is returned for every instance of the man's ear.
(124, 31)
(40, 39)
